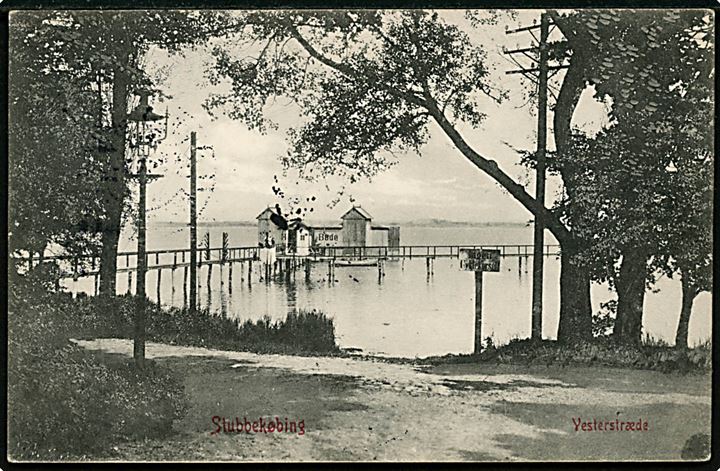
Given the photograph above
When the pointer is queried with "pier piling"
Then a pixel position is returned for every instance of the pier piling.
(230, 270)
(159, 281)
(185, 285)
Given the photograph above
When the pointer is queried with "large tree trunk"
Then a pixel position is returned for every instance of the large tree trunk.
(689, 292)
(630, 287)
(115, 187)
(575, 309)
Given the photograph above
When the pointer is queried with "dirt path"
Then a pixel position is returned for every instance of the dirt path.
(364, 409)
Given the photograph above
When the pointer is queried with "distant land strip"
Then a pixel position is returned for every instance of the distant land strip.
(418, 223)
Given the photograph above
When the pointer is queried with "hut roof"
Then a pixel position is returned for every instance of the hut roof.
(326, 228)
(265, 214)
(359, 211)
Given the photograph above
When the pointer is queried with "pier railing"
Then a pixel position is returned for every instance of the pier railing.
(424, 251)
(88, 265)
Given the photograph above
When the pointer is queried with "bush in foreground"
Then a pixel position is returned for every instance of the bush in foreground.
(301, 332)
(67, 403)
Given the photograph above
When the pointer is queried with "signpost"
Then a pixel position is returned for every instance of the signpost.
(479, 261)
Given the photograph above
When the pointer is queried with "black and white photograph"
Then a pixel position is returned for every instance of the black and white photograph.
(360, 235)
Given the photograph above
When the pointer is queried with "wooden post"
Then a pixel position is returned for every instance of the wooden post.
(539, 225)
(193, 222)
(129, 291)
(249, 272)
(209, 289)
(172, 283)
(478, 311)
(185, 285)
(139, 338)
(159, 281)
(230, 267)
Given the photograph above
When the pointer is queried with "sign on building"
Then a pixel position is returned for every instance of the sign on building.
(480, 260)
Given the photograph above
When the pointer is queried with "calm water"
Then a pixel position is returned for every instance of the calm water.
(407, 313)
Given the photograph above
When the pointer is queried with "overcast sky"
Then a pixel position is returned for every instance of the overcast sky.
(439, 183)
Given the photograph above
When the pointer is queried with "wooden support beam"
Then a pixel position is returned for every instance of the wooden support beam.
(478, 312)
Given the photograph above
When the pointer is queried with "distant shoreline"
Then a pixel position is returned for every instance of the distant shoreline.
(421, 223)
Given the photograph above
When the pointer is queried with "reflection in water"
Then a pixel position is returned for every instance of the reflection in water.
(406, 312)
(410, 311)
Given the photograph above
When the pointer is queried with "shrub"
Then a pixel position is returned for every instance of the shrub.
(300, 332)
(600, 351)
(65, 402)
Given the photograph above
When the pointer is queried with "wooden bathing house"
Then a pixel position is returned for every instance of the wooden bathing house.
(356, 234)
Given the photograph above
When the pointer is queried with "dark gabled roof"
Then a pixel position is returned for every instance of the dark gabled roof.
(297, 224)
(364, 214)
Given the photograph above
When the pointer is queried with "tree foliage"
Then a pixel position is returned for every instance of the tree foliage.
(642, 186)
(53, 168)
(73, 77)
(648, 174)
(361, 78)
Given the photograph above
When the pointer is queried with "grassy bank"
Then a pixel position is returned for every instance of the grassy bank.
(598, 352)
(301, 332)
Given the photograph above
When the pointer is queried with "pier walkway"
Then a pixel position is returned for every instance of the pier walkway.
(87, 265)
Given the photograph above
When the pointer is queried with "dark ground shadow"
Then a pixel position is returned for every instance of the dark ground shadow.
(214, 388)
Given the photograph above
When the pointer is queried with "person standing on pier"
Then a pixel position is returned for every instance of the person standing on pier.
(268, 255)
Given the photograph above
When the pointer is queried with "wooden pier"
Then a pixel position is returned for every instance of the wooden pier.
(172, 259)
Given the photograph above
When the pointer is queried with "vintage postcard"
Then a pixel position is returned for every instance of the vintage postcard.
(360, 235)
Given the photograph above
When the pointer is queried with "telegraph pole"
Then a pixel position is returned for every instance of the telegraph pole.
(193, 223)
(539, 225)
(139, 343)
